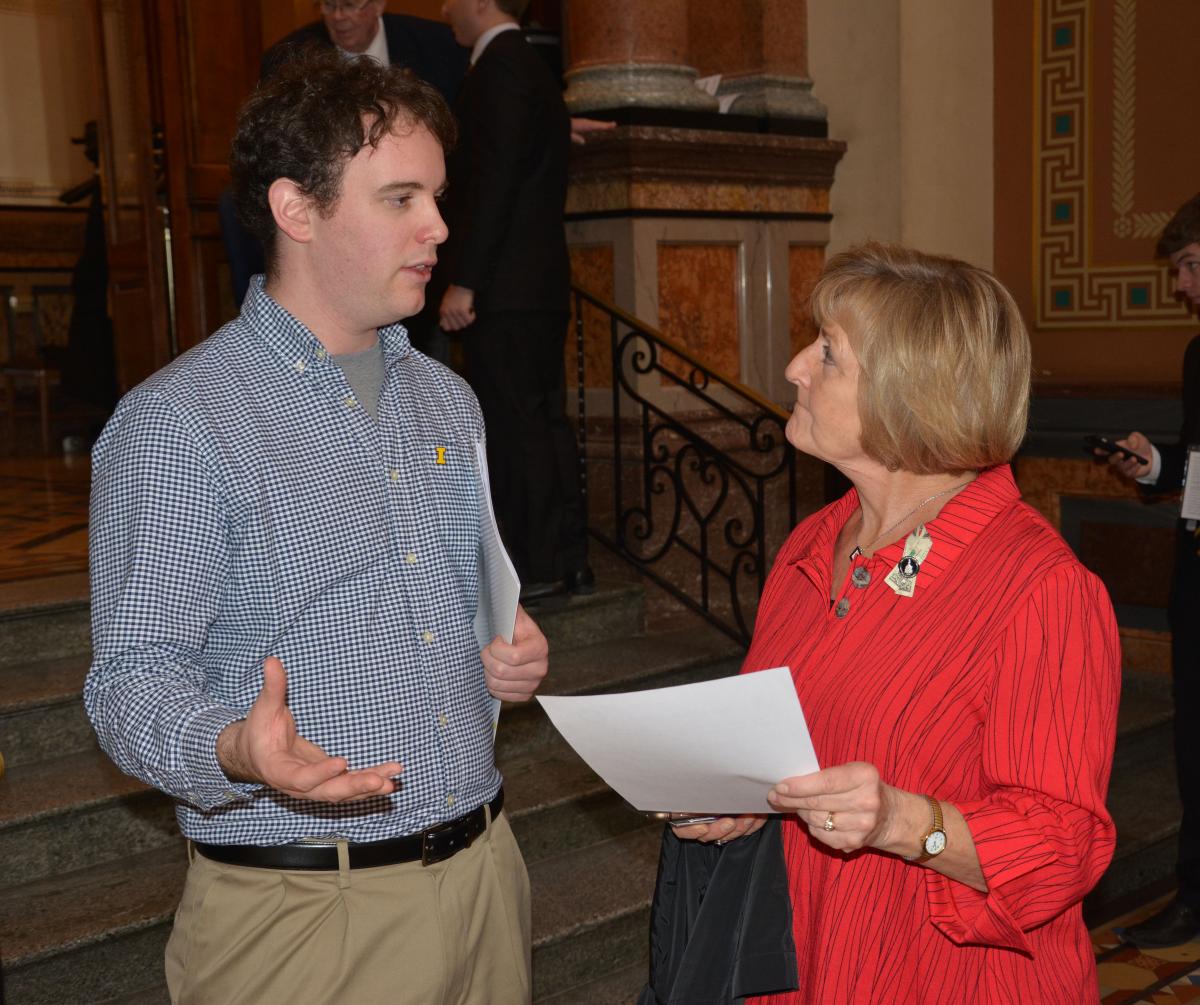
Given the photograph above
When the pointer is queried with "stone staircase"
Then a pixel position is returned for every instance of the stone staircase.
(92, 864)
(1141, 797)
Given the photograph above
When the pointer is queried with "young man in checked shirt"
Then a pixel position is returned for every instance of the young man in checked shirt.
(285, 533)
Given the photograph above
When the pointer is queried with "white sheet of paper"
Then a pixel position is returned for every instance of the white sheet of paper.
(499, 587)
(713, 747)
(1191, 486)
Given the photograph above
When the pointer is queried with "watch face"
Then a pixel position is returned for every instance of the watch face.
(935, 843)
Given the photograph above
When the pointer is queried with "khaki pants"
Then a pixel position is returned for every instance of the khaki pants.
(453, 933)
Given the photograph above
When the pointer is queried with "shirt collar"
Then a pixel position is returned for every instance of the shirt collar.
(953, 530)
(377, 50)
(484, 40)
(291, 340)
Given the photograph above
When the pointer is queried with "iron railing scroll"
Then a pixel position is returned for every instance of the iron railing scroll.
(702, 476)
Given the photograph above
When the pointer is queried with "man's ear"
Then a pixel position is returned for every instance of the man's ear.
(292, 209)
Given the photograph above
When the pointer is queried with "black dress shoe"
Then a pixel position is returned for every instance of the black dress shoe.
(539, 591)
(582, 581)
(1174, 925)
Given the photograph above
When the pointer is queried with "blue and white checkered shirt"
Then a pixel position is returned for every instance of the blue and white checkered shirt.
(244, 505)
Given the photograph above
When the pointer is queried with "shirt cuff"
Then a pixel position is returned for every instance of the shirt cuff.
(1155, 467)
(1008, 849)
(208, 786)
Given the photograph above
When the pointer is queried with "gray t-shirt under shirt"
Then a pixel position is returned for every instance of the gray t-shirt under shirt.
(364, 373)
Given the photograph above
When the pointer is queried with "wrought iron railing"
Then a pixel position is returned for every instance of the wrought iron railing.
(703, 479)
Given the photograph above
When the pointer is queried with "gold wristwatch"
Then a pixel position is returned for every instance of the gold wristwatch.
(934, 841)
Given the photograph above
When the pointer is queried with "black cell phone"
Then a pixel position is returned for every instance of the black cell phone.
(1107, 445)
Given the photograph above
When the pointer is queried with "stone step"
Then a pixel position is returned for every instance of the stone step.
(43, 619)
(591, 910)
(41, 714)
(1145, 723)
(40, 711)
(1144, 804)
(613, 611)
(682, 656)
(154, 995)
(96, 933)
(99, 933)
(619, 988)
(77, 810)
(556, 803)
(73, 812)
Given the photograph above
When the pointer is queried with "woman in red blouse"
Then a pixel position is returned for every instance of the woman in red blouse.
(958, 667)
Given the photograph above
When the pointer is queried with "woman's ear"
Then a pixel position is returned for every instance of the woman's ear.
(292, 209)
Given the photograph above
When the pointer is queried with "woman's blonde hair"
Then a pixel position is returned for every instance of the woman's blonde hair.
(943, 352)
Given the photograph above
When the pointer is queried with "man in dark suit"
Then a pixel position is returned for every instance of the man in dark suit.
(1179, 921)
(506, 279)
(360, 27)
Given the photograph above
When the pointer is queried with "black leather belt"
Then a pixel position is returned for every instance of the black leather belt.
(433, 845)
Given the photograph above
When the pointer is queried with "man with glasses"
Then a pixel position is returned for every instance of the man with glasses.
(361, 27)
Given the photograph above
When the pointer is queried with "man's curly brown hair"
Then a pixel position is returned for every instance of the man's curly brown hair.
(312, 116)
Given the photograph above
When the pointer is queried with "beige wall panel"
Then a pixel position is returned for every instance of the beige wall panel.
(946, 160)
(46, 95)
(854, 57)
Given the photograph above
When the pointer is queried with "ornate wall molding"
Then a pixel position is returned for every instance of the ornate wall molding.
(1072, 287)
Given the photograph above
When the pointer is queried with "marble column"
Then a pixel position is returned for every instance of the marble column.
(626, 53)
(760, 49)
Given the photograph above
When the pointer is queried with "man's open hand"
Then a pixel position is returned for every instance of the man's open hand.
(265, 747)
(513, 672)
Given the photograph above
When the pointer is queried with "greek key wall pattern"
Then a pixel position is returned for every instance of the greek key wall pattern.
(1097, 211)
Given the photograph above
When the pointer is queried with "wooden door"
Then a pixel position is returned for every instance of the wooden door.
(139, 299)
(207, 54)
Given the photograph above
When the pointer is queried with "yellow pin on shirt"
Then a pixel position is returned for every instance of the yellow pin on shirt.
(441, 455)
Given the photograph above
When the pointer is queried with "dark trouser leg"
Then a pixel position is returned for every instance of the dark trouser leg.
(514, 362)
(1185, 673)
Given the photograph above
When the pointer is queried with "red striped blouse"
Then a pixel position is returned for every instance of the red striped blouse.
(995, 688)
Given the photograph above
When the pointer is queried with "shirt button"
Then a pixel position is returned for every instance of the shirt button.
(350, 402)
(299, 366)
(843, 607)
(427, 636)
(861, 577)
(394, 474)
(411, 558)
(450, 800)
(320, 354)
(442, 720)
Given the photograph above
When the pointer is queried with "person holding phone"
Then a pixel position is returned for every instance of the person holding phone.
(1161, 469)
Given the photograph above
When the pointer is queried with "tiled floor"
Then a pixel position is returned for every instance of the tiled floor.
(43, 516)
(1130, 976)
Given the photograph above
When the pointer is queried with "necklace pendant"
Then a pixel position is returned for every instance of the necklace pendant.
(855, 553)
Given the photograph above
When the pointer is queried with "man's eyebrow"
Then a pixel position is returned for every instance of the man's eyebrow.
(400, 186)
(395, 187)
